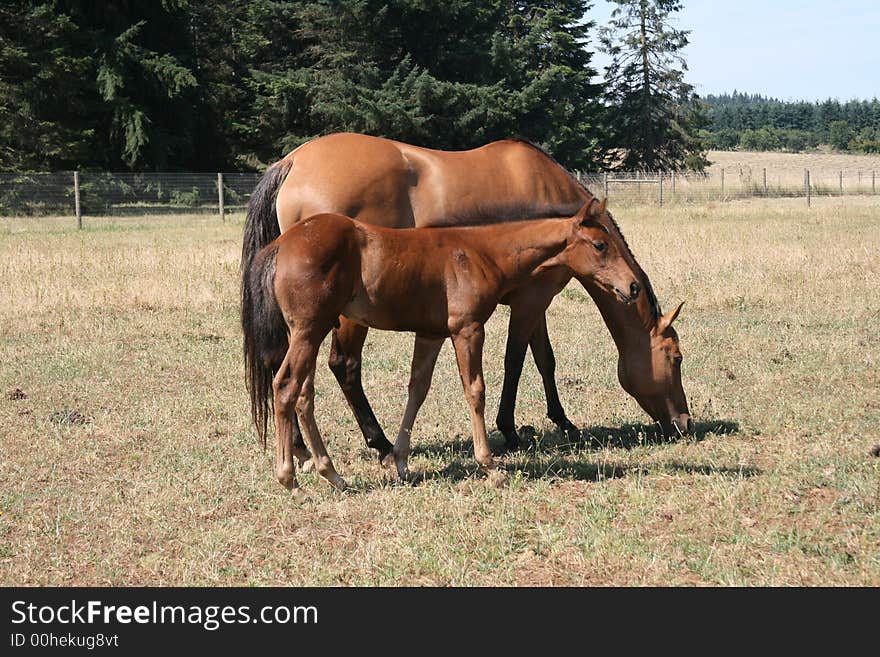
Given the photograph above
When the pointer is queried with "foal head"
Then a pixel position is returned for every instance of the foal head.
(597, 257)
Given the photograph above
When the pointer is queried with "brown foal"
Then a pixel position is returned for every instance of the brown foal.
(437, 283)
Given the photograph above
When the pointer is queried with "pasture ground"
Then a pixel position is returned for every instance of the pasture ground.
(128, 456)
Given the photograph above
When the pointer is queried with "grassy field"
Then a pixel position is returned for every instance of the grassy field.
(128, 457)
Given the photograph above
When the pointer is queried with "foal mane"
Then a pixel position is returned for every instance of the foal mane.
(646, 283)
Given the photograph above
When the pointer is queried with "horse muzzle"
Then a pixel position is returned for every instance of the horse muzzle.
(678, 425)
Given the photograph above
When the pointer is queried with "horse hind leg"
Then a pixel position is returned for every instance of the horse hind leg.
(345, 362)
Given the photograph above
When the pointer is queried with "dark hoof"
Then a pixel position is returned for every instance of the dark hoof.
(525, 439)
(512, 443)
(571, 432)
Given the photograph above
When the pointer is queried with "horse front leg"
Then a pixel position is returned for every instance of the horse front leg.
(468, 343)
(527, 308)
(542, 351)
(514, 356)
(345, 363)
(424, 359)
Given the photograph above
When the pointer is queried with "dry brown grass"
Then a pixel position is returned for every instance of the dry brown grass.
(130, 459)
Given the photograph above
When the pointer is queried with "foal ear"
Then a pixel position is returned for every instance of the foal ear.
(666, 321)
(583, 214)
(592, 209)
(597, 208)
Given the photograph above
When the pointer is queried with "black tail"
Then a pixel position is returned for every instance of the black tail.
(265, 336)
(265, 332)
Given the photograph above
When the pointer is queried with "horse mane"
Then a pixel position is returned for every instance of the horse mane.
(646, 283)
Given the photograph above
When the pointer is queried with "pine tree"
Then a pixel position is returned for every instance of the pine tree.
(653, 114)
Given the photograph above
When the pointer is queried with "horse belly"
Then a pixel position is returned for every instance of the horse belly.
(413, 310)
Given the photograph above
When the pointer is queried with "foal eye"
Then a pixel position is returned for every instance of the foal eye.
(600, 246)
(677, 360)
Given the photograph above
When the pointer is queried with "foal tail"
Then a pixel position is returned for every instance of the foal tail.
(265, 335)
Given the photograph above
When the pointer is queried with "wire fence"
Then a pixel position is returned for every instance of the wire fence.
(728, 184)
(97, 193)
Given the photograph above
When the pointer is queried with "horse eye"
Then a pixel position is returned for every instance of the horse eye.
(600, 246)
(677, 360)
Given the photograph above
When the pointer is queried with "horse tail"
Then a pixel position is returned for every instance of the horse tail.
(261, 224)
(265, 335)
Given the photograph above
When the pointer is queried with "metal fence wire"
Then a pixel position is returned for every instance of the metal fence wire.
(100, 193)
(123, 193)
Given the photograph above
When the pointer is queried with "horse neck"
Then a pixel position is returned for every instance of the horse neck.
(629, 324)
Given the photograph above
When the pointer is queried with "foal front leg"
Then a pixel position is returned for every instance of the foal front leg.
(424, 359)
(468, 343)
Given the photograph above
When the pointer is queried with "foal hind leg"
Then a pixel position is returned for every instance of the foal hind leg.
(542, 351)
(424, 358)
(345, 363)
(305, 409)
(286, 387)
(298, 447)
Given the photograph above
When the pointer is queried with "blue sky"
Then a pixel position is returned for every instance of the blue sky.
(787, 49)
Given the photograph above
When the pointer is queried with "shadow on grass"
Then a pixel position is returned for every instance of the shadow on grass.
(627, 436)
(549, 454)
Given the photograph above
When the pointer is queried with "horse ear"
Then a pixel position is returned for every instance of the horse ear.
(666, 321)
(598, 209)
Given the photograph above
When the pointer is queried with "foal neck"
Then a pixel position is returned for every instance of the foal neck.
(522, 249)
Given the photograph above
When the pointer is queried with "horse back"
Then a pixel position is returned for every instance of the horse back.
(387, 183)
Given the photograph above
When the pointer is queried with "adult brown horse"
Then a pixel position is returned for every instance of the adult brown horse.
(388, 183)
(436, 282)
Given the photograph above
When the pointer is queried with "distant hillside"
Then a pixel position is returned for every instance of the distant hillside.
(755, 123)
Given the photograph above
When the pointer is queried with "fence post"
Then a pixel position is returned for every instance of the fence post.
(79, 217)
(841, 183)
(873, 181)
(673, 183)
(765, 181)
(722, 184)
(220, 195)
(660, 190)
(807, 185)
(605, 183)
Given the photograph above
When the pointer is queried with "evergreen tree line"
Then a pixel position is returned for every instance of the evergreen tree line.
(234, 84)
(753, 122)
